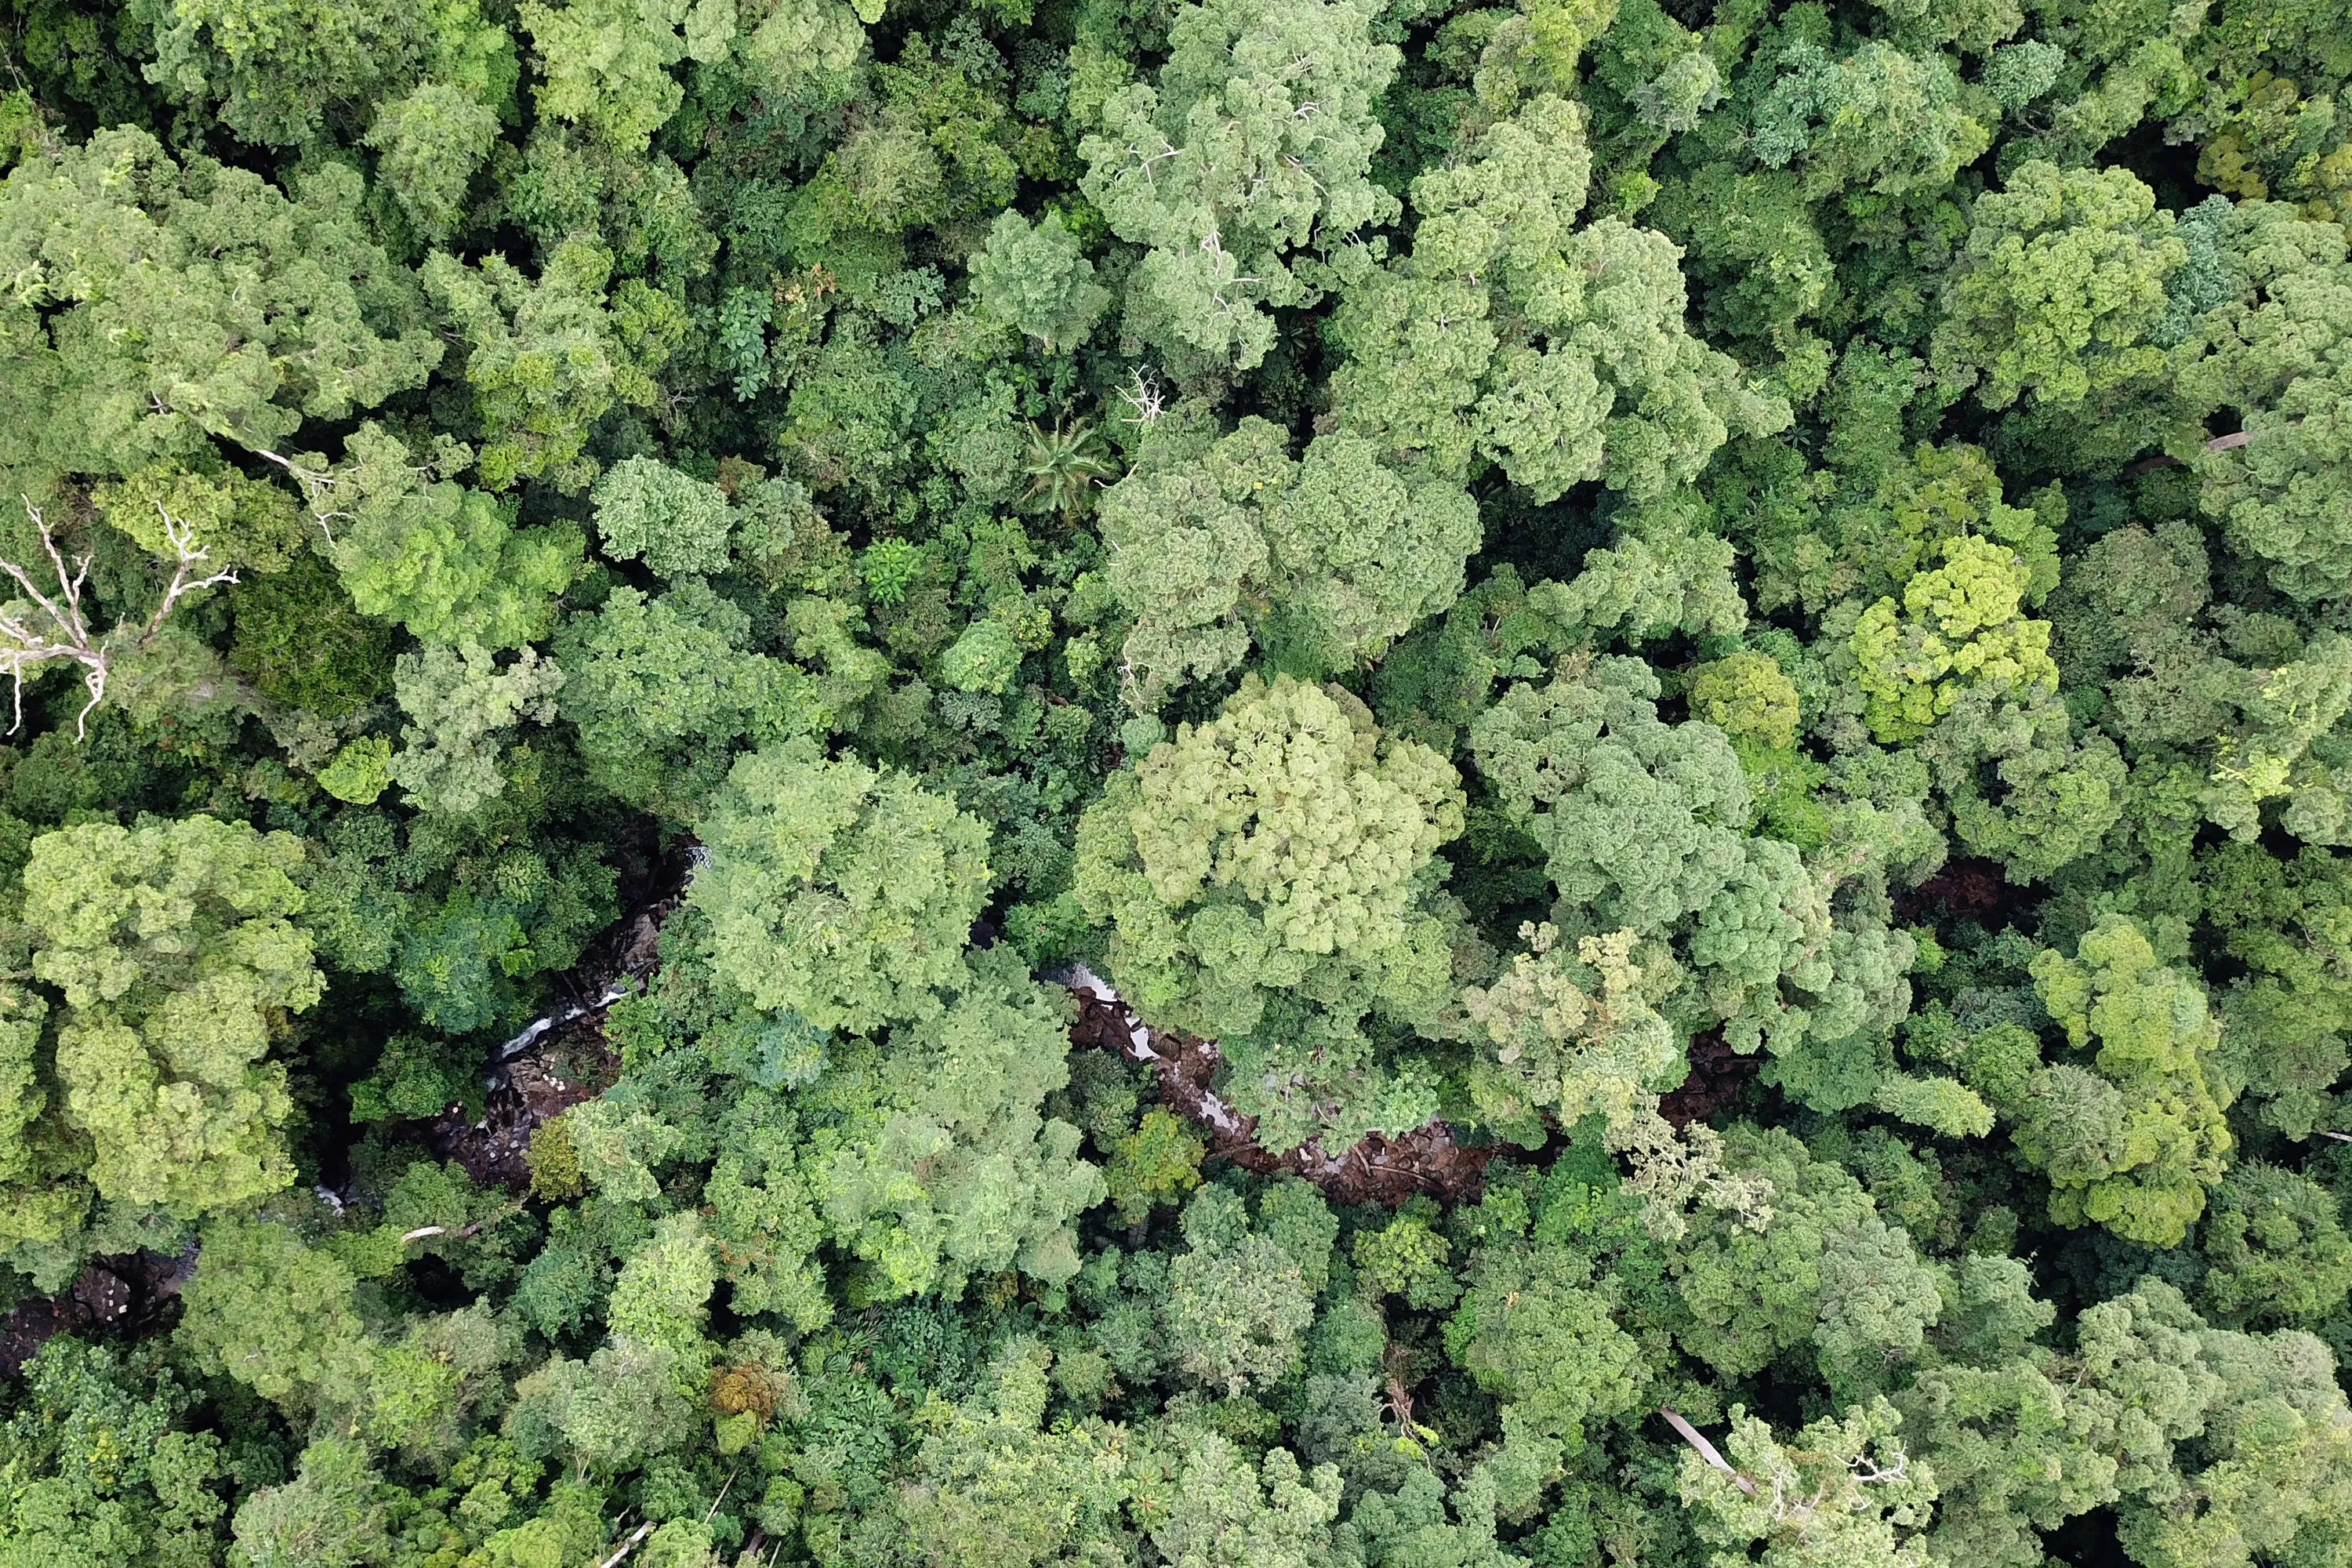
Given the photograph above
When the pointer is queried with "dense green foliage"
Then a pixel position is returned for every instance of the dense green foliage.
(1691, 659)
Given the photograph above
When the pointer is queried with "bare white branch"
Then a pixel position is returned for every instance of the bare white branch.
(628, 1546)
(1146, 398)
(26, 643)
(190, 554)
(1706, 1450)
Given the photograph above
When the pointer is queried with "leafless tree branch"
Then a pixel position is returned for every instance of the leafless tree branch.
(1706, 1450)
(628, 1546)
(57, 627)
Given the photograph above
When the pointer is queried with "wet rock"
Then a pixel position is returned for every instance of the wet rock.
(564, 1068)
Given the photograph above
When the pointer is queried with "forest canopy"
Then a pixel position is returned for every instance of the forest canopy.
(1191, 783)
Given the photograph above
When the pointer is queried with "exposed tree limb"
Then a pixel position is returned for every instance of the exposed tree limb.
(421, 1231)
(318, 487)
(628, 1546)
(1706, 1450)
(2235, 439)
(26, 642)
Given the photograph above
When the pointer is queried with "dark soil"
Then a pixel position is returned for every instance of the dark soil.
(120, 1295)
(1719, 1077)
(569, 1062)
(562, 1067)
(1964, 891)
(1376, 1170)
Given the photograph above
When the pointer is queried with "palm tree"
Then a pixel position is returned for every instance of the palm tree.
(1063, 466)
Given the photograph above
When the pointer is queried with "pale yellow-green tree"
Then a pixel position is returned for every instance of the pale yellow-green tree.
(1268, 877)
(1961, 626)
(1254, 142)
(2133, 1139)
(153, 304)
(175, 950)
(1840, 1494)
(1323, 561)
(2058, 288)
